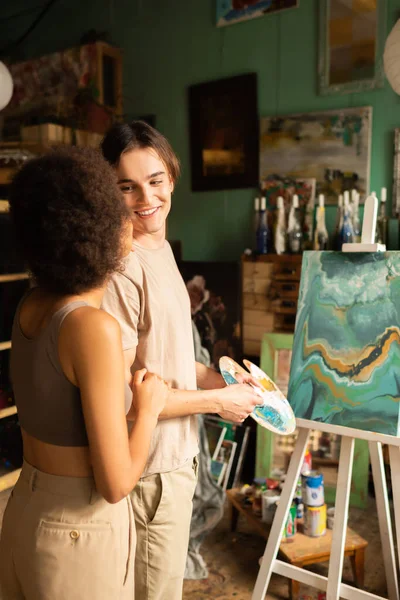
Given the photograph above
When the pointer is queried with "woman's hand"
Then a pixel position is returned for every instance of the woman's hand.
(150, 393)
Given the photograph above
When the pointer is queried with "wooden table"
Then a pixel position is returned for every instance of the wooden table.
(302, 550)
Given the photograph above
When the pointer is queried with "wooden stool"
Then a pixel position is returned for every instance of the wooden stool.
(302, 550)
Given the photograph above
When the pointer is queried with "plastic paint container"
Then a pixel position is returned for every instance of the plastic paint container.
(269, 500)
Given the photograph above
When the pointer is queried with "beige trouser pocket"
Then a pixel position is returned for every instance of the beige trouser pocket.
(162, 505)
(66, 547)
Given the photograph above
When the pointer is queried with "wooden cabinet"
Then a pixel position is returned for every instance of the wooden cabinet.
(270, 289)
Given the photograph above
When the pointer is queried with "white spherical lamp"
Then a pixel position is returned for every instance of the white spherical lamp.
(391, 58)
(6, 86)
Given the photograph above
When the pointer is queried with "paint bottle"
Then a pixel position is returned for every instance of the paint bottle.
(298, 500)
(315, 520)
(339, 224)
(382, 221)
(346, 232)
(373, 194)
(269, 500)
(313, 488)
(263, 237)
(355, 210)
(290, 525)
(321, 234)
(294, 232)
(280, 231)
(306, 467)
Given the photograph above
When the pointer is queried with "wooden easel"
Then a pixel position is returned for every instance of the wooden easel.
(332, 584)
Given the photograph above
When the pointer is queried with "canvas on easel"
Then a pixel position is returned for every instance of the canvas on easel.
(345, 379)
(346, 351)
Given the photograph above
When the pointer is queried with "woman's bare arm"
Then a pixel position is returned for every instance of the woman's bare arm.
(95, 350)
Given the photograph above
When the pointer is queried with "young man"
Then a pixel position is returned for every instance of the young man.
(150, 300)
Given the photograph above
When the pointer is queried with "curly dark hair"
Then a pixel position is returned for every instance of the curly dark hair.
(68, 214)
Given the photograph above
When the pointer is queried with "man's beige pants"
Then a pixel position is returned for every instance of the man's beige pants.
(62, 541)
(162, 505)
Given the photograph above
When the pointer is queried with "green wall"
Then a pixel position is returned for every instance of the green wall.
(170, 44)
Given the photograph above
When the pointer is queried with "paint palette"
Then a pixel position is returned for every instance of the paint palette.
(274, 412)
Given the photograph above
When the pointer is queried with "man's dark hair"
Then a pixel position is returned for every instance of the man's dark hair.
(123, 137)
(68, 214)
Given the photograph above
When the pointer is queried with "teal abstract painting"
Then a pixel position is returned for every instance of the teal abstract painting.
(345, 366)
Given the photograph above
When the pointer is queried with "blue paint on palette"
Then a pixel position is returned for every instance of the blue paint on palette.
(268, 413)
(345, 366)
(229, 379)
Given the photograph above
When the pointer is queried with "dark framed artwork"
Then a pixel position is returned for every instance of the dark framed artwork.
(224, 133)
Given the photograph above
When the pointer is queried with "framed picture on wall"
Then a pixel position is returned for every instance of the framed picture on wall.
(333, 147)
(224, 134)
(234, 11)
(351, 42)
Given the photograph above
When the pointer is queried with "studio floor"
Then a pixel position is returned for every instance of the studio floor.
(232, 559)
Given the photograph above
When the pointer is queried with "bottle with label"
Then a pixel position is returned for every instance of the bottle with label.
(339, 224)
(355, 205)
(263, 237)
(321, 234)
(256, 220)
(294, 232)
(280, 230)
(382, 221)
(373, 194)
(346, 233)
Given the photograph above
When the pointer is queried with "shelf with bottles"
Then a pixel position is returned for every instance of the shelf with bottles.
(14, 282)
(290, 230)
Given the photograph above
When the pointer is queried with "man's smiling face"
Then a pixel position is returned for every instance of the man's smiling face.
(147, 187)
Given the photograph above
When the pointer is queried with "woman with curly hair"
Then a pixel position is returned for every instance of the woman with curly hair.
(68, 529)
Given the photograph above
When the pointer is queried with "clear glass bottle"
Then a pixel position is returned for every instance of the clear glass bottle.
(256, 221)
(373, 194)
(263, 237)
(346, 232)
(339, 224)
(280, 230)
(294, 232)
(321, 237)
(355, 206)
(382, 221)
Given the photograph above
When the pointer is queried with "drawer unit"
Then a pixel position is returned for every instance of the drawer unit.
(270, 290)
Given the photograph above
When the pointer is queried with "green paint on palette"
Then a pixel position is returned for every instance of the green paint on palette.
(345, 366)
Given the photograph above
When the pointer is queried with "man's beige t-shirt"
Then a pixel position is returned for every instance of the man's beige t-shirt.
(150, 301)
